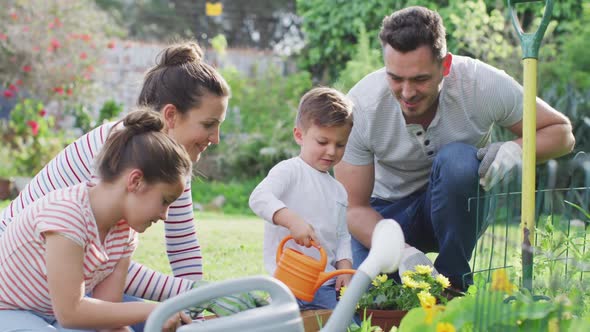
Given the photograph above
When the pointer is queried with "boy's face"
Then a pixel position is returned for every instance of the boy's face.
(322, 147)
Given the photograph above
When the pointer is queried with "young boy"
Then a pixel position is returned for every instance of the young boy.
(300, 198)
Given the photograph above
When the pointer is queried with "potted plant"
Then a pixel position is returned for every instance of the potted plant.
(387, 301)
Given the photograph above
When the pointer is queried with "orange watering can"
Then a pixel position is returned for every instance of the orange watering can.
(303, 274)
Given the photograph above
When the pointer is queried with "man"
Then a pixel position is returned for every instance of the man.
(420, 142)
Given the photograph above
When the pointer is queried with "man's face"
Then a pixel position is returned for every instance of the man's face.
(415, 80)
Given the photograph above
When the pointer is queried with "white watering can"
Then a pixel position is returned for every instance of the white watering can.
(282, 314)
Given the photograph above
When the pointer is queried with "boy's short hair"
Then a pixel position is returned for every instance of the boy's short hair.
(324, 107)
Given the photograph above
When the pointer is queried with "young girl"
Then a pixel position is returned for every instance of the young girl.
(192, 97)
(64, 258)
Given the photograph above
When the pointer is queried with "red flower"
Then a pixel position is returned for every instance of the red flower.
(55, 44)
(70, 91)
(51, 25)
(83, 55)
(19, 82)
(34, 127)
(59, 90)
(13, 88)
(57, 22)
(27, 68)
(3, 36)
(42, 112)
(85, 37)
(14, 16)
(111, 44)
(8, 94)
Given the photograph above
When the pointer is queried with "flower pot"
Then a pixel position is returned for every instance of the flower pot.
(384, 318)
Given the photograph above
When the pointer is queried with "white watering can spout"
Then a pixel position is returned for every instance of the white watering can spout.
(387, 244)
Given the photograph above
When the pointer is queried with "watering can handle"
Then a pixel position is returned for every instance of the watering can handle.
(323, 257)
(530, 42)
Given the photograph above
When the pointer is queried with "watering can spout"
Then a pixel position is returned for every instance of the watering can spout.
(325, 276)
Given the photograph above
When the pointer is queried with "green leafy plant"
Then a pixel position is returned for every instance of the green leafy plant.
(494, 306)
(417, 286)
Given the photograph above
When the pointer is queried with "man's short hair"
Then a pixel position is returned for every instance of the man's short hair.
(324, 107)
(410, 28)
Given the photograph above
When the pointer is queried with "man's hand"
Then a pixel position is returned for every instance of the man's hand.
(497, 159)
(412, 257)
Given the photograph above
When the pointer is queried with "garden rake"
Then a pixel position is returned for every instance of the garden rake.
(530, 43)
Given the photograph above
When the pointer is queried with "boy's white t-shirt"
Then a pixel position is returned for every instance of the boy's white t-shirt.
(316, 197)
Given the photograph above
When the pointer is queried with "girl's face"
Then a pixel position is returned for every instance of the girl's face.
(199, 127)
(149, 203)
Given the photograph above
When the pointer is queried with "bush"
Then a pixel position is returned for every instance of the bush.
(236, 193)
(258, 129)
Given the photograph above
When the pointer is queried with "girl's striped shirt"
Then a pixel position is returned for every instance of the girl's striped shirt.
(67, 212)
(74, 165)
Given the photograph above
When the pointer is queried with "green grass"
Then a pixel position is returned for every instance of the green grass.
(231, 246)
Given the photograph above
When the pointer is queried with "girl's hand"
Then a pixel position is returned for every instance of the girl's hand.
(176, 321)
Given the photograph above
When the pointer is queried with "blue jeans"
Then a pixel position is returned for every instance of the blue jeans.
(436, 218)
(24, 320)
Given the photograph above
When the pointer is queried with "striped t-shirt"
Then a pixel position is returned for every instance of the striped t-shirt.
(23, 273)
(474, 98)
(75, 164)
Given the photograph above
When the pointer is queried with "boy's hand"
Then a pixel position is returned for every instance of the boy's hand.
(303, 233)
(342, 281)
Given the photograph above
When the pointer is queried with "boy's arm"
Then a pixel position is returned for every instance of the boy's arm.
(300, 230)
(266, 202)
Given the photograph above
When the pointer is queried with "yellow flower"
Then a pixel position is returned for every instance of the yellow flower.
(379, 280)
(443, 281)
(423, 285)
(342, 291)
(423, 269)
(553, 325)
(426, 299)
(408, 273)
(431, 312)
(409, 282)
(501, 283)
(445, 327)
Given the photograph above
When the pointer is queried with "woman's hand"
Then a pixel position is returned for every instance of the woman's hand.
(176, 321)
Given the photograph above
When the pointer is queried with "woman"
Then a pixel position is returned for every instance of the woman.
(192, 97)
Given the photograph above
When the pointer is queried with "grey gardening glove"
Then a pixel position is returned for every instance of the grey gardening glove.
(497, 159)
(227, 305)
(412, 257)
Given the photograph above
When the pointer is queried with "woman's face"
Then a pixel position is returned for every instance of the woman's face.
(199, 127)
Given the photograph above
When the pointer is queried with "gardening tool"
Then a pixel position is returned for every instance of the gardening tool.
(530, 43)
(303, 274)
(282, 314)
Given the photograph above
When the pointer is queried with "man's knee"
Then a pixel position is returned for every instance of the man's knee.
(457, 163)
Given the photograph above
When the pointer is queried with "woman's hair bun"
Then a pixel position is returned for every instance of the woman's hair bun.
(179, 54)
